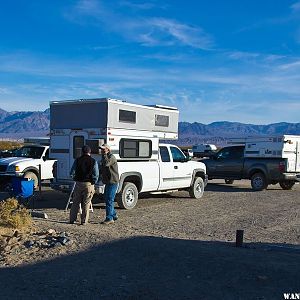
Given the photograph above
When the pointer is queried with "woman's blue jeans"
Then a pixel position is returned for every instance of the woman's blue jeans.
(110, 191)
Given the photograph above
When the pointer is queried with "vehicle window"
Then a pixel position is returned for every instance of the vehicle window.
(30, 152)
(127, 116)
(161, 120)
(164, 154)
(177, 155)
(135, 148)
(224, 154)
(231, 153)
(78, 143)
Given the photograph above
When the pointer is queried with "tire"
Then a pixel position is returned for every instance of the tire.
(229, 181)
(258, 182)
(287, 184)
(197, 188)
(128, 197)
(32, 176)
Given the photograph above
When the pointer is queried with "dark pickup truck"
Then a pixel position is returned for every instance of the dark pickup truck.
(230, 164)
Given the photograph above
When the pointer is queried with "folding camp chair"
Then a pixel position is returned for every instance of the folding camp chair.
(23, 190)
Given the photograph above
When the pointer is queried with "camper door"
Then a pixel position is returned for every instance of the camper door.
(77, 141)
(291, 151)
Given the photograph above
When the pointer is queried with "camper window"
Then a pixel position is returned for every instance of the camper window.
(161, 120)
(127, 116)
(78, 142)
(135, 148)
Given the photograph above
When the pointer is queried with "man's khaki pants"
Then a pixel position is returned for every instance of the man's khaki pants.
(83, 194)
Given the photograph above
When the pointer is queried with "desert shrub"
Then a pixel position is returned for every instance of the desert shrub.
(14, 215)
(8, 145)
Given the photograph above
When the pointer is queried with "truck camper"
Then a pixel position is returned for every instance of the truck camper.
(133, 132)
(262, 159)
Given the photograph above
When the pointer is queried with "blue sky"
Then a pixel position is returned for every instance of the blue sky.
(215, 60)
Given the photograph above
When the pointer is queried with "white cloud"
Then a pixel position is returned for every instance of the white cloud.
(296, 6)
(201, 93)
(4, 90)
(148, 31)
(138, 6)
(185, 34)
(290, 66)
(246, 56)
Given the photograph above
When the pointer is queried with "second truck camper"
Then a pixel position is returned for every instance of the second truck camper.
(133, 133)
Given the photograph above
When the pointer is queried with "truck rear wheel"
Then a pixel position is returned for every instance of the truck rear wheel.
(32, 176)
(128, 197)
(258, 182)
(287, 184)
(197, 188)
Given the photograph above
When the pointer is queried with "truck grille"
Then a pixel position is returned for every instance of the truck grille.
(3, 168)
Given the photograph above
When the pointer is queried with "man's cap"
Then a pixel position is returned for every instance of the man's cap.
(105, 146)
(86, 149)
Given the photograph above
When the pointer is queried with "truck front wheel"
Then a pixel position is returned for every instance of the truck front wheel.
(32, 176)
(197, 188)
(287, 184)
(258, 182)
(128, 197)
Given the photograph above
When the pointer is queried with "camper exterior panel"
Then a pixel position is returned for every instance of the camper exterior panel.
(78, 115)
(146, 118)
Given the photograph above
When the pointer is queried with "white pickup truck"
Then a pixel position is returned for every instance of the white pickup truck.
(171, 171)
(26, 163)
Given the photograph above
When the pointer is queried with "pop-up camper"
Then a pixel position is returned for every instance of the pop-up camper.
(133, 133)
(273, 146)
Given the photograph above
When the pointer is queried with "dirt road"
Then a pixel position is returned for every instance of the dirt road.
(168, 247)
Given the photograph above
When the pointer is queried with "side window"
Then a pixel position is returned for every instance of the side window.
(224, 154)
(78, 143)
(127, 116)
(135, 148)
(177, 155)
(161, 120)
(164, 154)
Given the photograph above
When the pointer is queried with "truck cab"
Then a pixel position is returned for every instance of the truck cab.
(227, 163)
(177, 171)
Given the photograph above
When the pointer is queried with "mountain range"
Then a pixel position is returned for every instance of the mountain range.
(21, 124)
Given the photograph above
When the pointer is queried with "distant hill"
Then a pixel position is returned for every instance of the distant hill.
(218, 132)
(36, 123)
(24, 123)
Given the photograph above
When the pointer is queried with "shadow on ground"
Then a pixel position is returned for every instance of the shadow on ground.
(157, 268)
(222, 187)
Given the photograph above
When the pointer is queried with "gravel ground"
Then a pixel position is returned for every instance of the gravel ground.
(169, 247)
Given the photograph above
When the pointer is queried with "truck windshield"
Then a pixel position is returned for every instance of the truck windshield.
(30, 152)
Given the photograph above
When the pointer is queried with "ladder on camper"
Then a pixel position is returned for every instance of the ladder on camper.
(70, 201)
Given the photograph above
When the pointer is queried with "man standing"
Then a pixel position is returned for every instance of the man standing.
(85, 173)
(110, 177)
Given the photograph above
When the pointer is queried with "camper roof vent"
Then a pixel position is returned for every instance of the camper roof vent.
(164, 106)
